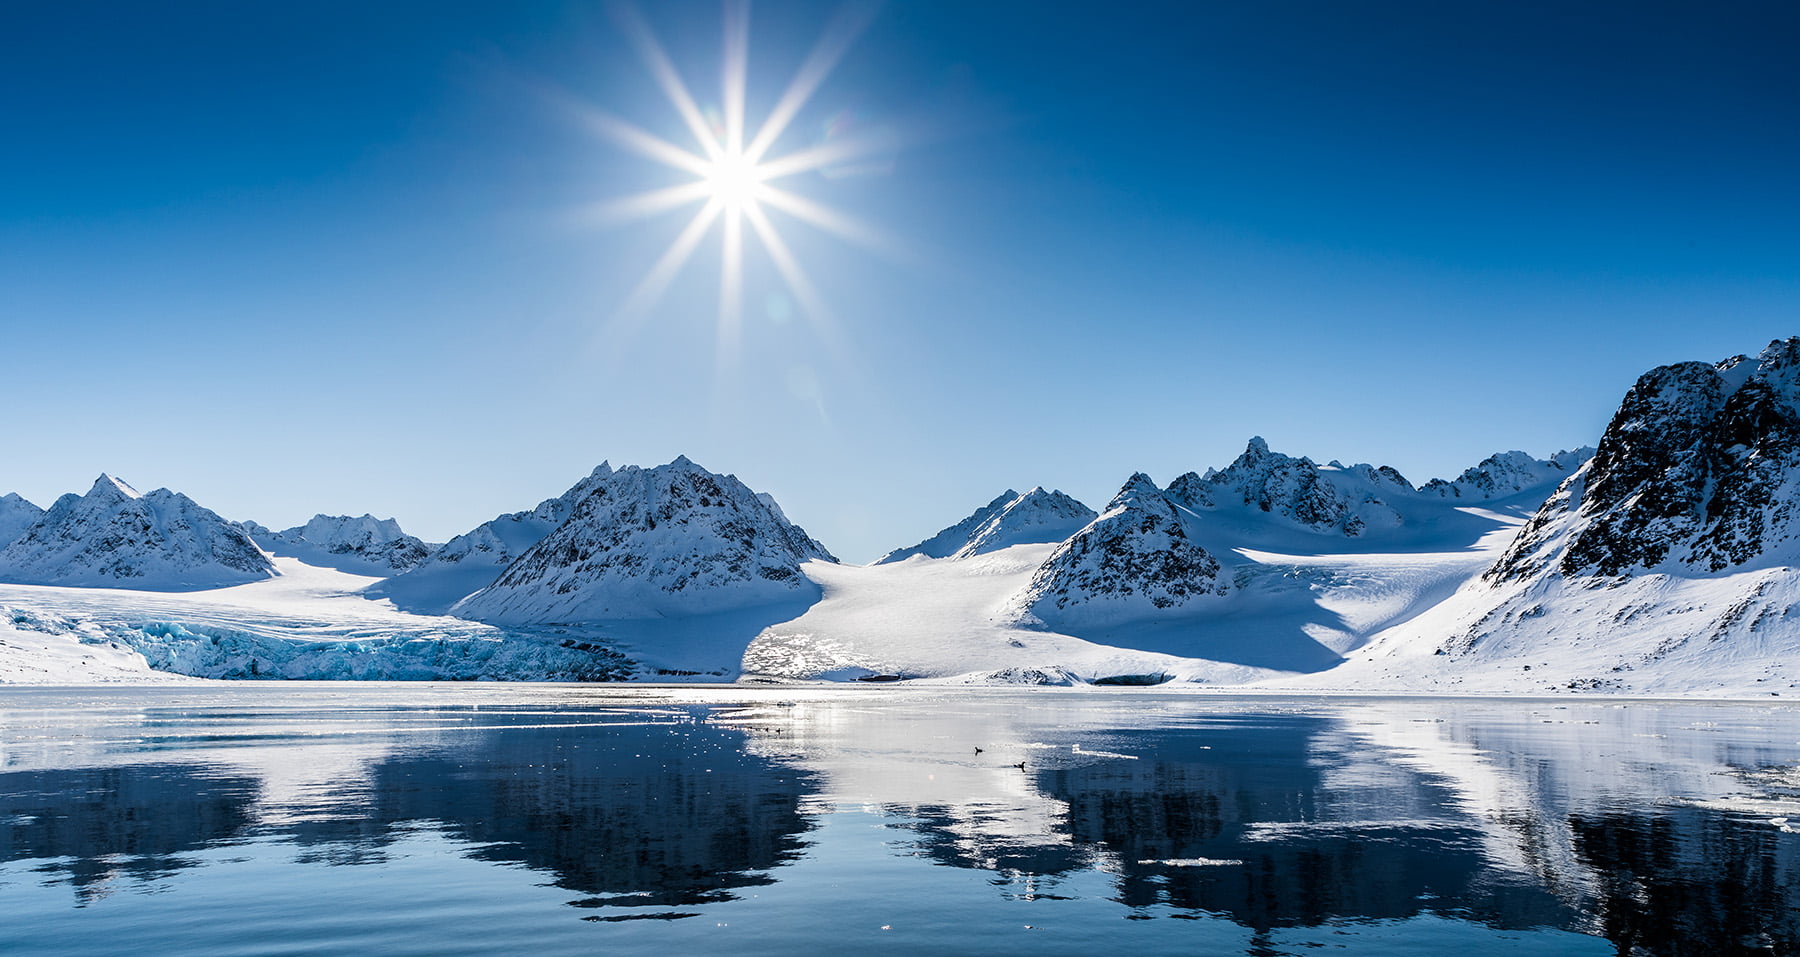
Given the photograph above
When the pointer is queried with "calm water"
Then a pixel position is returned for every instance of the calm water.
(476, 819)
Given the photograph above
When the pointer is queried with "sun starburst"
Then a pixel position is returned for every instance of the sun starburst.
(734, 174)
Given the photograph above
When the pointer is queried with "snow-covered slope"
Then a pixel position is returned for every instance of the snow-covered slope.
(1134, 561)
(668, 541)
(471, 561)
(115, 537)
(1666, 563)
(1034, 518)
(16, 515)
(363, 545)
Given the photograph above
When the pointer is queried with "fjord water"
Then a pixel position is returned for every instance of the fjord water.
(441, 819)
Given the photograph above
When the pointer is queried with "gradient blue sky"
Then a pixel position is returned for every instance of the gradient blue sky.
(334, 257)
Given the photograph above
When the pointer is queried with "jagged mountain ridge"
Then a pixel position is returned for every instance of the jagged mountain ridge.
(647, 543)
(1133, 561)
(1508, 473)
(114, 536)
(363, 544)
(1698, 469)
(1356, 500)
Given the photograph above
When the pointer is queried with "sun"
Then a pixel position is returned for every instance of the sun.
(733, 174)
(734, 181)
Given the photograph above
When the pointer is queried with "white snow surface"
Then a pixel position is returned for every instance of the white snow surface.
(114, 536)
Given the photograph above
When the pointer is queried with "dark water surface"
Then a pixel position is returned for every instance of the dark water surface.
(445, 819)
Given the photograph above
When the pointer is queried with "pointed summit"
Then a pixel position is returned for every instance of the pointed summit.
(108, 486)
(113, 536)
(1697, 472)
(1136, 487)
(1134, 561)
(1338, 500)
(669, 541)
(946, 542)
(1035, 518)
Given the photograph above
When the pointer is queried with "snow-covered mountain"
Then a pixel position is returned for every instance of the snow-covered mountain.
(1664, 563)
(945, 543)
(471, 561)
(1134, 561)
(116, 537)
(363, 545)
(1699, 471)
(667, 541)
(16, 515)
(1035, 517)
(1337, 499)
(1508, 473)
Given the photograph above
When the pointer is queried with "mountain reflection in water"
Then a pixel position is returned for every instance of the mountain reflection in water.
(1658, 828)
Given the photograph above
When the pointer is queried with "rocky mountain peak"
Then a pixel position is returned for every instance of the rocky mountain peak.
(1344, 500)
(1508, 473)
(1039, 516)
(361, 545)
(671, 540)
(1134, 561)
(1699, 467)
(114, 536)
(111, 489)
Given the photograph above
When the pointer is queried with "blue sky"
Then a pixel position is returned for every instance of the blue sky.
(339, 257)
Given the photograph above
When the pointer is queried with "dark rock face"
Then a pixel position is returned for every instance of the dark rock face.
(1134, 561)
(1699, 468)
